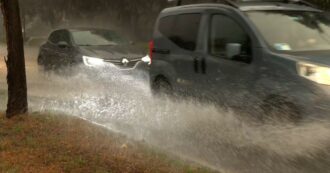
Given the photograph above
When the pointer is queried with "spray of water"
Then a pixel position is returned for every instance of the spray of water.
(201, 132)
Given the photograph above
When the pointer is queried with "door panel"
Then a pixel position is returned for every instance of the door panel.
(229, 78)
(231, 82)
(180, 36)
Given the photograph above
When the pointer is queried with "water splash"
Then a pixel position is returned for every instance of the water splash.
(215, 137)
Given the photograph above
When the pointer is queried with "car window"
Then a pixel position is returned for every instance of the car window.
(224, 30)
(98, 38)
(182, 29)
(65, 36)
(58, 36)
(54, 37)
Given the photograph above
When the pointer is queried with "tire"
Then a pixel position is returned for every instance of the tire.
(279, 109)
(161, 87)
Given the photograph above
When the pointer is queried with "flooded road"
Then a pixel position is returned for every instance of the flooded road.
(203, 133)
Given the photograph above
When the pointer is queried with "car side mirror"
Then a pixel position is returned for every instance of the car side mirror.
(233, 50)
(63, 44)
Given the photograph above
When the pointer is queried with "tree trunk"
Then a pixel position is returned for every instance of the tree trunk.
(16, 77)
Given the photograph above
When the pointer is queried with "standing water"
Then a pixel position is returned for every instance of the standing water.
(203, 133)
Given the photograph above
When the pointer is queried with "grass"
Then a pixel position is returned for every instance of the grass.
(51, 144)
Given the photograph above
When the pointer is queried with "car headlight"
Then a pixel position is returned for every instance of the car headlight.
(92, 61)
(316, 73)
(146, 59)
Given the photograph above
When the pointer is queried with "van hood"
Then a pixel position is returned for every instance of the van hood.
(317, 57)
(117, 52)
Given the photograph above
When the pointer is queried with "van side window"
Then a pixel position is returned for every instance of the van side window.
(181, 29)
(224, 31)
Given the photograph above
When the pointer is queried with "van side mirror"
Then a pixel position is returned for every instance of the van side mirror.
(63, 44)
(233, 50)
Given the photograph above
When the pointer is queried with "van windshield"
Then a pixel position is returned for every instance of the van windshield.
(293, 30)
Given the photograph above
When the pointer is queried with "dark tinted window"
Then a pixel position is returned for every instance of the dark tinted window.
(65, 36)
(166, 25)
(54, 37)
(58, 36)
(182, 30)
(225, 30)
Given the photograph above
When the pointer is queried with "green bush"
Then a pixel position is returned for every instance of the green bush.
(325, 4)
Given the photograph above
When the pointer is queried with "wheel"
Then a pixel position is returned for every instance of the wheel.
(161, 87)
(279, 109)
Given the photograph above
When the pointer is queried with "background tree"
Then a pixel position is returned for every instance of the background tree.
(136, 18)
(16, 77)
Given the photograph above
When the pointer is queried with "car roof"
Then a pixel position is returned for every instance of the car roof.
(244, 6)
(248, 6)
(82, 29)
(87, 29)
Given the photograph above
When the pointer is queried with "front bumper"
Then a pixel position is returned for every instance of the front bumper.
(317, 105)
(140, 71)
(322, 103)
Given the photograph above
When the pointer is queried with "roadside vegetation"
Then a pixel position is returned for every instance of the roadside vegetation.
(49, 143)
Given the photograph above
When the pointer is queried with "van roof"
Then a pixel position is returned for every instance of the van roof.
(246, 6)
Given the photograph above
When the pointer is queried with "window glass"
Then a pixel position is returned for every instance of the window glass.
(182, 30)
(293, 31)
(166, 25)
(225, 30)
(58, 36)
(65, 36)
(97, 38)
(54, 37)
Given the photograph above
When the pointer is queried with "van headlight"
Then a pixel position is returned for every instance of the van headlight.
(316, 73)
(93, 61)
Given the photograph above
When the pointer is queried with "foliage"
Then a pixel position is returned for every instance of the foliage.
(135, 17)
(325, 4)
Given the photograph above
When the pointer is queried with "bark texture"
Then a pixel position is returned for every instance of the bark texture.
(16, 77)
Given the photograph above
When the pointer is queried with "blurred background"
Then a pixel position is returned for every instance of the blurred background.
(133, 18)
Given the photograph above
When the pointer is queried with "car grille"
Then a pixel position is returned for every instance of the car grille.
(120, 64)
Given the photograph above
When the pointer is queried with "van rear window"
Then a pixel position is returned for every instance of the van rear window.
(181, 29)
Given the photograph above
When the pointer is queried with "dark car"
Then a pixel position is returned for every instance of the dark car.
(254, 54)
(91, 47)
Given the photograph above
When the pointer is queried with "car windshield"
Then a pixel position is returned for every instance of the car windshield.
(97, 38)
(293, 30)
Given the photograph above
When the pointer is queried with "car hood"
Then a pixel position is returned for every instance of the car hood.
(316, 57)
(117, 52)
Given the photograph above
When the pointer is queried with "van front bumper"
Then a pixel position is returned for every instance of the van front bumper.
(319, 105)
